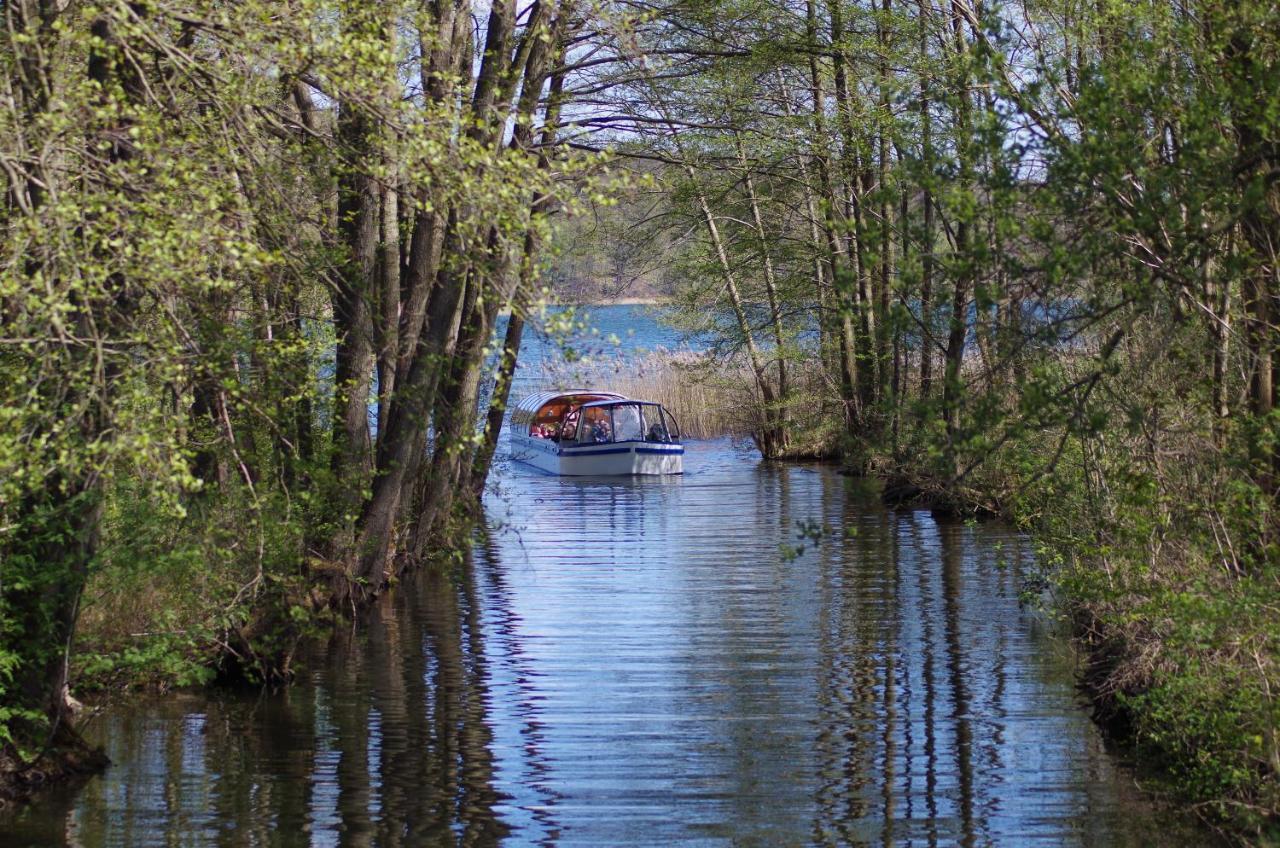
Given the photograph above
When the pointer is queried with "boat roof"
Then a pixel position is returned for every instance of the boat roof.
(613, 401)
(532, 403)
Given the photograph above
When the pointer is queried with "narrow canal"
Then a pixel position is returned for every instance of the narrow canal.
(635, 662)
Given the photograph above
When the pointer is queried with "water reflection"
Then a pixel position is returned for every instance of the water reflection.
(632, 662)
(386, 743)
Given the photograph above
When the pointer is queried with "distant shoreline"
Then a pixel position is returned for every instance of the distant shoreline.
(619, 301)
(625, 301)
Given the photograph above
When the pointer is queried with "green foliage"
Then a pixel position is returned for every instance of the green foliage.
(190, 194)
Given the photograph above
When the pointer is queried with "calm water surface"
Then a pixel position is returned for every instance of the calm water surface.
(634, 662)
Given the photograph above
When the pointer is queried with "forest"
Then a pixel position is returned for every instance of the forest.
(1012, 259)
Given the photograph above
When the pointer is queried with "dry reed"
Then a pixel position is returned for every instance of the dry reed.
(709, 396)
(706, 396)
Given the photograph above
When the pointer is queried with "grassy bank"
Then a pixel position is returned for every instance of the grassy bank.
(1174, 598)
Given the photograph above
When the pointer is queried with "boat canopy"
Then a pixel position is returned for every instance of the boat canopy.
(622, 420)
(547, 408)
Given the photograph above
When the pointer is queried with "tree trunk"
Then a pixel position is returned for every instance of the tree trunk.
(953, 381)
(355, 291)
(841, 274)
(389, 303)
(508, 358)
(885, 282)
(926, 260)
(777, 417)
(518, 301)
(856, 181)
(58, 523)
(768, 447)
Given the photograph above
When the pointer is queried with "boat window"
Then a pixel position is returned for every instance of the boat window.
(546, 421)
(595, 425)
(627, 426)
(569, 429)
(558, 418)
(655, 427)
(673, 429)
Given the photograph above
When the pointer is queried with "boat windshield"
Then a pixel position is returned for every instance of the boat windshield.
(659, 425)
(628, 421)
(628, 426)
(596, 426)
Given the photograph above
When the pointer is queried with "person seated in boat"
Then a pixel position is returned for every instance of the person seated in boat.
(600, 430)
(569, 428)
(627, 424)
(595, 426)
(657, 433)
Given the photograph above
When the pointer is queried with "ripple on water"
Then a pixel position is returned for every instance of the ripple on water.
(633, 662)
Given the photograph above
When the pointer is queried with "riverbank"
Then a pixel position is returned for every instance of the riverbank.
(1175, 613)
(23, 779)
(201, 604)
(1169, 590)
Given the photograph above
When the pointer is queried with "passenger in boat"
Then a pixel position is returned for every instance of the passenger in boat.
(569, 428)
(657, 433)
(627, 425)
(600, 430)
(595, 426)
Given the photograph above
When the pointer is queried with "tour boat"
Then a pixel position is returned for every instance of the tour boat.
(586, 432)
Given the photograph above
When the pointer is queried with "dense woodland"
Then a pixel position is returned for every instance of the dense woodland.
(1016, 258)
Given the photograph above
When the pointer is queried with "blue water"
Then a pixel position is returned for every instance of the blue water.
(561, 335)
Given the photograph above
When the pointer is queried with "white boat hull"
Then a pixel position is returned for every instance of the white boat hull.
(590, 460)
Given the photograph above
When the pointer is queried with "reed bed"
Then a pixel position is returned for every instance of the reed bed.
(710, 396)
(707, 396)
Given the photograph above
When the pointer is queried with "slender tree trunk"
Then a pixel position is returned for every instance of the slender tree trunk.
(778, 416)
(1258, 154)
(953, 380)
(389, 301)
(508, 359)
(821, 259)
(856, 182)
(758, 366)
(1218, 293)
(355, 290)
(885, 282)
(927, 257)
(842, 275)
(528, 268)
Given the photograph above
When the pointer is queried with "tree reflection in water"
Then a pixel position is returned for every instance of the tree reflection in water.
(385, 742)
(634, 662)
